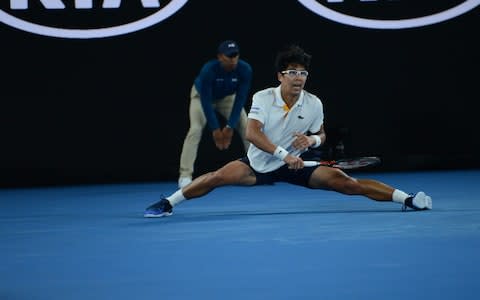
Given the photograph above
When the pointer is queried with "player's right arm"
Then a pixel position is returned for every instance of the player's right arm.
(255, 135)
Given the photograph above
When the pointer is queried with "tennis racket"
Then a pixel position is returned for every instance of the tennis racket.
(346, 164)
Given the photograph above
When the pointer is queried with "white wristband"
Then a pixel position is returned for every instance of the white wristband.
(318, 141)
(280, 153)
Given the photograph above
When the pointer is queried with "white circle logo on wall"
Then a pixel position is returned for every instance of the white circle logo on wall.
(38, 26)
(395, 14)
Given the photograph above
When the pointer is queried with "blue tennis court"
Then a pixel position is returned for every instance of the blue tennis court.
(266, 242)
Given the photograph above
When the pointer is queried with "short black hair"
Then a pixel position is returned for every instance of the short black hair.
(292, 54)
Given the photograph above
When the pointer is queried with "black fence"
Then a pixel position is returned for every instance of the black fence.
(87, 99)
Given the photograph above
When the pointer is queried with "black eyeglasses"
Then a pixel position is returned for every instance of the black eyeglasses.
(295, 73)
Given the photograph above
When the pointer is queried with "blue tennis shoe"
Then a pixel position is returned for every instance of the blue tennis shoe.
(162, 208)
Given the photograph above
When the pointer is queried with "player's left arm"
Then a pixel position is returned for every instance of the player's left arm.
(317, 138)
(316, 133)
(303, 141)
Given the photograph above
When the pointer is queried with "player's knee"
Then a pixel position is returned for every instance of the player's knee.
(349, 186)
(216, 178)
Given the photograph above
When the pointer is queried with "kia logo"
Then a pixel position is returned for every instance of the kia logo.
(391, 14)
(85, 19)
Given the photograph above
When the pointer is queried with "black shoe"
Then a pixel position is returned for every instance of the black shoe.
(419, 201)
(162, 208)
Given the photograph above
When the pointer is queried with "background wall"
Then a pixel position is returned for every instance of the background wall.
(115, 109)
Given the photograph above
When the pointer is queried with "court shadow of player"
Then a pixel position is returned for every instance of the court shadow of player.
(206, 216)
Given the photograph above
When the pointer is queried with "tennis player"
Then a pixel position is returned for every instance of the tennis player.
(283, 122)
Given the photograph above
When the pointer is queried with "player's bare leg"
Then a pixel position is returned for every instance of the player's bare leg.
(233, 173)
(336, 180)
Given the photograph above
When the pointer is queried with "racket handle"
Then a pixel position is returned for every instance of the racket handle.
(311, 163)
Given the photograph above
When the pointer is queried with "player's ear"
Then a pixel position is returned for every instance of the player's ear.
(279, 76)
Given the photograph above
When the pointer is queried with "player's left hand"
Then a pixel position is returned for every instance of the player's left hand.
(302, 141)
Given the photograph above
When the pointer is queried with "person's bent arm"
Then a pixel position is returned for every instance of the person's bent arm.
(313, 140)
(255, 135)
(321, 135)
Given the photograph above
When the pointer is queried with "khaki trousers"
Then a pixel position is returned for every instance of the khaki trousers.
(198, 121)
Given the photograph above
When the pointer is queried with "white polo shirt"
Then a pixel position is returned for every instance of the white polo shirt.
(280, 124)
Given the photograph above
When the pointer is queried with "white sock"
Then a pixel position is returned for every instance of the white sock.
(399, 196)
(176, 197)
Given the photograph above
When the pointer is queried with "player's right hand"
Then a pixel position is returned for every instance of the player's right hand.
(294, 162)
